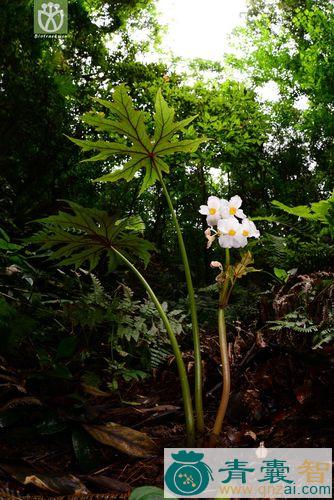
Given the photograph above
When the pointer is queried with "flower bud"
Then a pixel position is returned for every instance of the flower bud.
(215, 263)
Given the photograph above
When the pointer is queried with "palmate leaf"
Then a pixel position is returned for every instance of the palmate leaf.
(87, 234)
(141, 150)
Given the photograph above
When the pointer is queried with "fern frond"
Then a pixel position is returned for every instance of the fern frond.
(159, 355)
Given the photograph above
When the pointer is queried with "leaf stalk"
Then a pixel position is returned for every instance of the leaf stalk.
(193, 312)
(187, 402)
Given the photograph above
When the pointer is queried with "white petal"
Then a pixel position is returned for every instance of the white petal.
(214, 202)
(240, 214)
(234, 224)
(212, 220)
(224, 203)
(204, 210)
(235, 201)
(254, 231)
(225, 212)
(226, 241)
(239, 241)
(223, 225)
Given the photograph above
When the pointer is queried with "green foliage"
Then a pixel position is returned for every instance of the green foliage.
(87, 234)
(145, 151)
(138, 331)
(119, 371)
(290, 44)
(281, 274)
(45, 83)
(324, 336)
(304, 304)
(295, 321)
(147, 493)
(321, 211)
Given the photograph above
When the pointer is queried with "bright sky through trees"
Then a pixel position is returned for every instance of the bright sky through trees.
(197, 29)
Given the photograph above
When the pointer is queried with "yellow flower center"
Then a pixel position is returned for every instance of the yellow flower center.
(232, 232)
(212, 211)
(233, 210)
(245, 232)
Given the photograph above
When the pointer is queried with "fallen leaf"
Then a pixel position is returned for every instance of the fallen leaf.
(64, 485)
(251, 434)
(13, 403)
(110, 485)
(159, 408)
(95, 391)
(125, 439)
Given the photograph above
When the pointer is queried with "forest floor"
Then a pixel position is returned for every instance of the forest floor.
(280, 396)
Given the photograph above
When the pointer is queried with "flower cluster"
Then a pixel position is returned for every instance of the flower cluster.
(233, 227)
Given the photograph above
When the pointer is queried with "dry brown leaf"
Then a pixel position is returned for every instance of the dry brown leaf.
(95, 391)
(66, 485)
(125, 439)
(13, 403)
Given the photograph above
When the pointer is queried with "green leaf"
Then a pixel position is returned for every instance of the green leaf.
(317, 211)
(4, 234)
(299, 211)
(86, 235)
(129, 124)
(165, 127)
(147, 493)
(106, 149)
(6, 245)
(127, 172)
(186, 146)
(281, 274)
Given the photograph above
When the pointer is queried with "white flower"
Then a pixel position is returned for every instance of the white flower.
(248, 229)
(230, 233)
(211, 210)
(232, 208)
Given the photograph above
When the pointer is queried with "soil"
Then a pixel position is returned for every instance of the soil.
(281, 396)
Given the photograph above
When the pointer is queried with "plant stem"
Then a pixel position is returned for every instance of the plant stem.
(226, 379)
(188, 407)
(193, 312)
(224, 358)
(223, 295)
